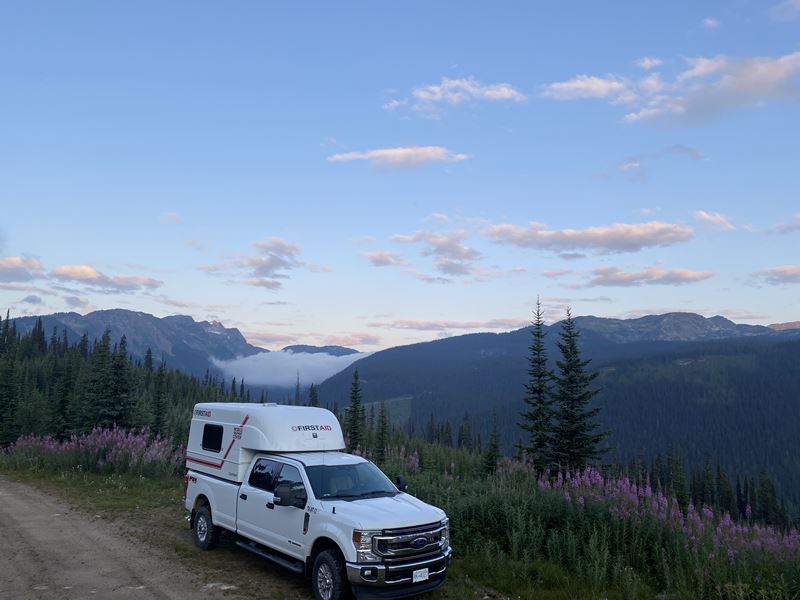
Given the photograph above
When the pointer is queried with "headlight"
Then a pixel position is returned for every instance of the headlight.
(445, 532)
(362, 540)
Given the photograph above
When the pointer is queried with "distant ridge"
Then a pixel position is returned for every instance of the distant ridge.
(184, 343)
(333, 350)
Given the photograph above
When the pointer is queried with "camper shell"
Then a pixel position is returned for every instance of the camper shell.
(224, 438)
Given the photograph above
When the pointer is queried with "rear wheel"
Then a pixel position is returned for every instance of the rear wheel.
(206, 534)
(328, 579)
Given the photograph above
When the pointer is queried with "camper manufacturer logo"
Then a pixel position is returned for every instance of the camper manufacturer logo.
(202, 413)
(311, 428)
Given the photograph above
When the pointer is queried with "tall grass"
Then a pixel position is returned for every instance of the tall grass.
(594, 535)
(103, 450)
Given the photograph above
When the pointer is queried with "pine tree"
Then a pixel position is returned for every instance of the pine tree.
(355, 415)
(538, 416)
(576, 438)
(313, 397)
(492, 454)
(121, 384)
(103, 406)
(382, 435)
(465, 433)
(297, 400)
(160, 400)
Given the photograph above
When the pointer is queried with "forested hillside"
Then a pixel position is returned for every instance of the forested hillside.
(50, 386)
(736, 400)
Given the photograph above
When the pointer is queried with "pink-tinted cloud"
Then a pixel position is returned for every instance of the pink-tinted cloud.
(611, 239)
(407, 156)
(780, 275)
(715, 219)
(384, 258)
(451, 255)
(793, 225)
(18, 268)
(503, 324)
(616, 277)
(353, 339)
(88, 275)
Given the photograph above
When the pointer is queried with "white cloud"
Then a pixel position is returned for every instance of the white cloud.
(780, 275)
(649, 62)
(88, 275)
(20, 268)
(458, 91)
(451, 255)
(276, 257)
(616, 277)
(402, 156)
(610, 239)
(714, 218)
(383, 258)
(501, 324)
(281, 368)
(706, 87)
(710, 23)
(395, 104)
(589, 86)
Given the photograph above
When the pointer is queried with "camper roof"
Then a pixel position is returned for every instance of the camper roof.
(276, 428)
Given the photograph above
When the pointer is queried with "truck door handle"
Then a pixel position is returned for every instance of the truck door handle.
(243, 496)
(270, 505)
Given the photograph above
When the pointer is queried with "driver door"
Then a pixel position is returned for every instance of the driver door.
(288, 521)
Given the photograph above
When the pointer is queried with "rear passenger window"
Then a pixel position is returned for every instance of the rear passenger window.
(212, 438)
(263, 474)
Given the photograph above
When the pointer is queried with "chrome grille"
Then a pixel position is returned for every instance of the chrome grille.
(409, 542)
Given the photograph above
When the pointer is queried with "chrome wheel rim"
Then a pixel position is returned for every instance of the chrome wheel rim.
(325, 582)
(202, 529)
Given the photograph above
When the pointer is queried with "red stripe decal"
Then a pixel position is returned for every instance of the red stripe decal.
(224, 458)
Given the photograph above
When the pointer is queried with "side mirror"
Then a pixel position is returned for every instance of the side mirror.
(285, 496)
(400, 483)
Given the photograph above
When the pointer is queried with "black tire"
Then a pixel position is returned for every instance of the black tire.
(205, 533)
(328, 579)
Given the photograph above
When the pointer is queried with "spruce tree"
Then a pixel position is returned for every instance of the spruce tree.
(381, 435)
(465, 433)
(538, 414)
(297, 400)
(577, 440)
(313, 395)
(355, 415)
(492, 454)
(160, 400)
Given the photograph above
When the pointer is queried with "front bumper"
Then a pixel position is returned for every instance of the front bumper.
(394, 580)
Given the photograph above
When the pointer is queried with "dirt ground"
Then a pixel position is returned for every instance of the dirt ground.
(51, 550)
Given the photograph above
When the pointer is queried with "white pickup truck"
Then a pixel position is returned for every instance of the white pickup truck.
(276, 477)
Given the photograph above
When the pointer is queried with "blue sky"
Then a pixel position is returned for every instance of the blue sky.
(372, 175)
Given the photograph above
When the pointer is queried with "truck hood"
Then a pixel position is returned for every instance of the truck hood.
(402, 510)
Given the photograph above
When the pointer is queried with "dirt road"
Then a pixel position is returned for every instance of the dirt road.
(48, 551)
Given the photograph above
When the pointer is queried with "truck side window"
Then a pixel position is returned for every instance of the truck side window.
(212, 438)
(263, 474)
(292, 475)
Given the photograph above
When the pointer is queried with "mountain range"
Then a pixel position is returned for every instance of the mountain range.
(707, 387)
(185, 344)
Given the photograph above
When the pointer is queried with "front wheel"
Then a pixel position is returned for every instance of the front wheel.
(328, 579)
(206, 534)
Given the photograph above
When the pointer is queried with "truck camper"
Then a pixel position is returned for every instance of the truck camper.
(277, 479)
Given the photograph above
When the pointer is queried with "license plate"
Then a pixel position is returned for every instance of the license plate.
(419, 575)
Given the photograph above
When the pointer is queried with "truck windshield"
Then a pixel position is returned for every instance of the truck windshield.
(349, 482)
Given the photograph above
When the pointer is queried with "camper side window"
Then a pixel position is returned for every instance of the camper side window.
(263, 474)
(212, 438)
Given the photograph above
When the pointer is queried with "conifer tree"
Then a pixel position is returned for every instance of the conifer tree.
(465, 433)
(381, 435)
(355, 415)
(160, 400)
(297, 400)
(103, 407)
(492, 454)
(313, 395)
(577, 440)
(538, 414)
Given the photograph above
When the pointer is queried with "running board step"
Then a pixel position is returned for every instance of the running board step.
(293, 565)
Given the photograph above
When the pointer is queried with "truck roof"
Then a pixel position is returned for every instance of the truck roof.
(313, 459)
